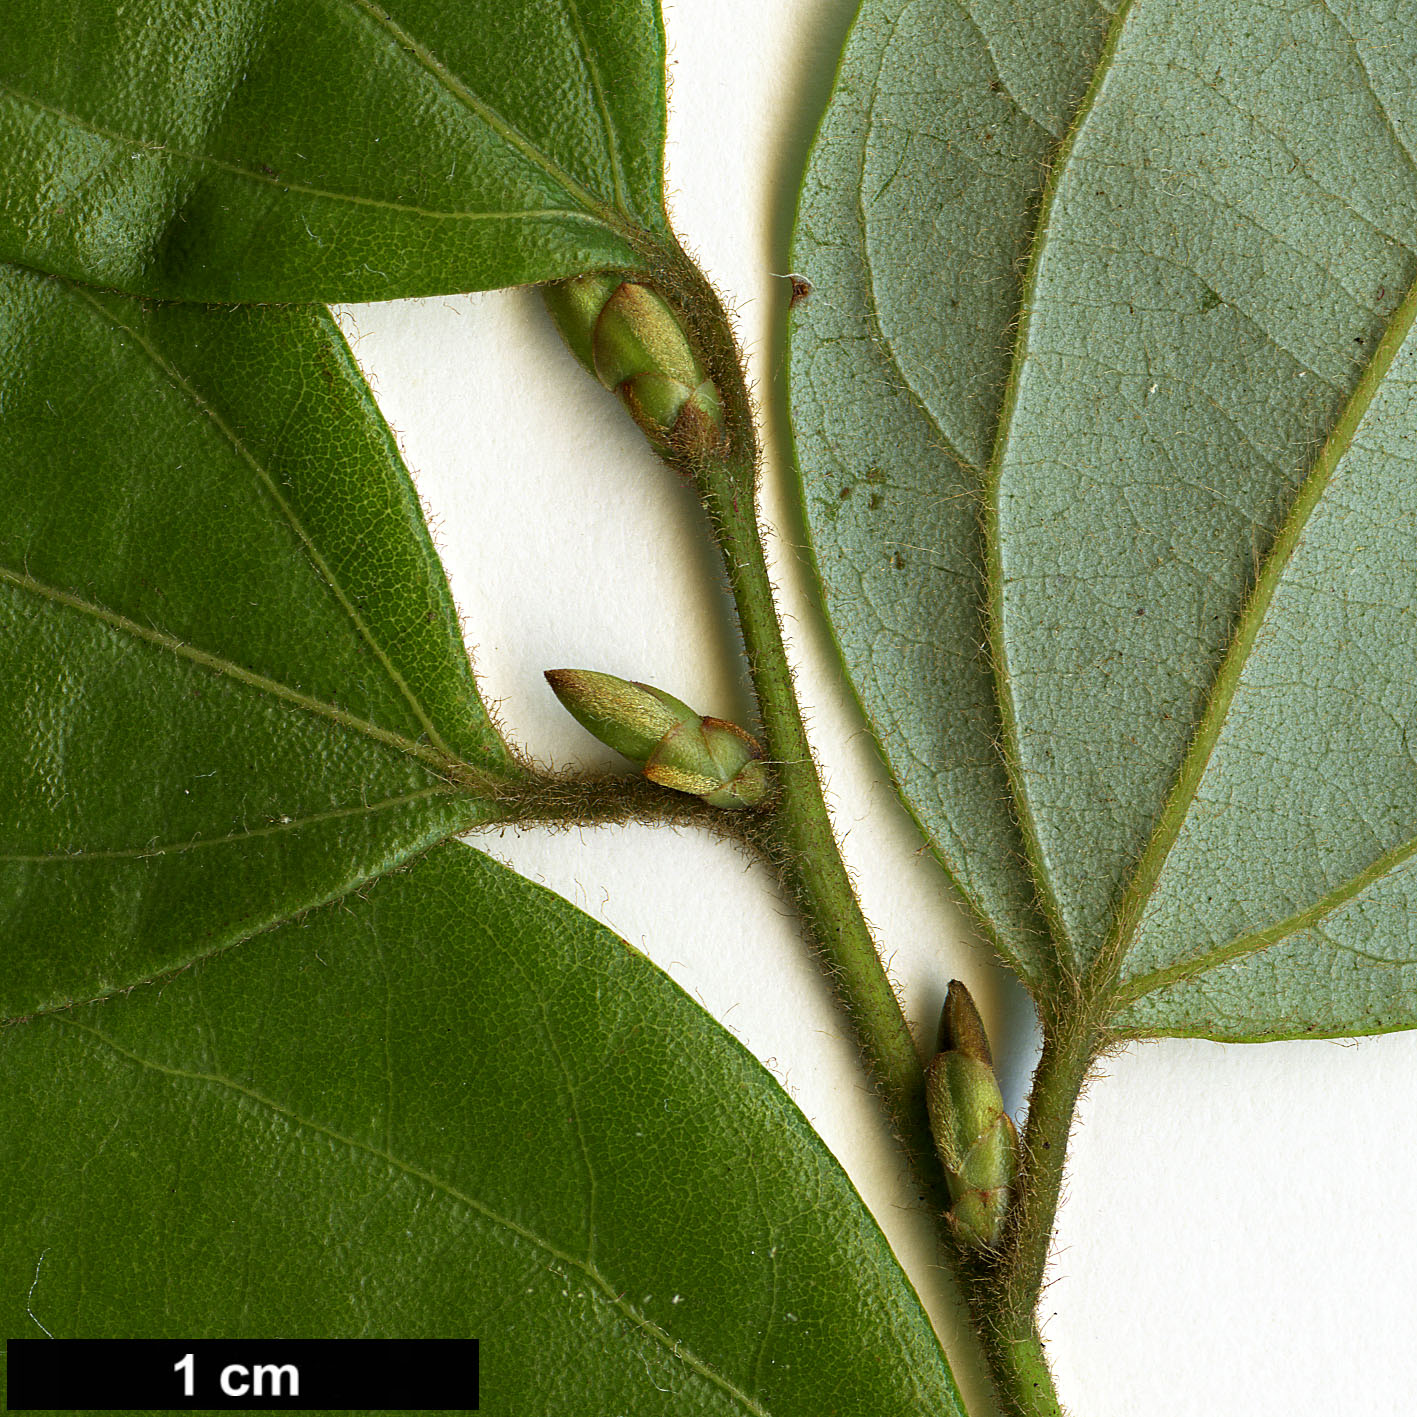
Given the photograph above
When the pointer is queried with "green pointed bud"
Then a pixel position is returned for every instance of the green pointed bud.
(706, 757)
(629, 717)
(575, 305)
(961, 1028)
(976, 1139)
(634, 342)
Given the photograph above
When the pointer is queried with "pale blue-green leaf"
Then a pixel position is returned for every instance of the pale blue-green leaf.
(1222, 249)
(1285, 902)
(916, 212)
(1218, 285)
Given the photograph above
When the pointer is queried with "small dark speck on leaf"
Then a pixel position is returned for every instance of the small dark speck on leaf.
(845, 492)
(801, 289)
(898, 561)
(874, 500)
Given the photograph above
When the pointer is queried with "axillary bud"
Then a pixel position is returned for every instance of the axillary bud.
(706, 757)
(976, 1140)
(634, 342)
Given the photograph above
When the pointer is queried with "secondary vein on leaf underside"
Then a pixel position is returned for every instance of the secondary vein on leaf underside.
(572, 1093)
(1257, 940)
(1227, 682)
(612, 148)
(406, 44)
(1003, 679)
(286, 184)
(951, 861)
(439, 762)
(881, 340)
(608, 1292)
(285, 824)
(307, 542)
(1363, 69)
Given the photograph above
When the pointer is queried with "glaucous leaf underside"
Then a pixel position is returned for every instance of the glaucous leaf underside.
(453, 1105)
(1117, 532)
(334, 150)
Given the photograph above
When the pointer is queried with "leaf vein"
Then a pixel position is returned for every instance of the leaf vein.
(287, 185)
(459, 1197)
(283, 506)
(996, 571)
(286, 824)
(231, 670)
(612, 147)
(1258, 940)
(1358, 59)
(1227, 680)
(878, 335)
(406, 44)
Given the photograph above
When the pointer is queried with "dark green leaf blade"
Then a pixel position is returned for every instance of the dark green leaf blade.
(454, 1106)
(338, 150)
(949, 113)
(233, 677)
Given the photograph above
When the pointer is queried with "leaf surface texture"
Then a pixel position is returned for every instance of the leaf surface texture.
(481, 1113)
(234, 678)
(1127, 298)
(249, 150)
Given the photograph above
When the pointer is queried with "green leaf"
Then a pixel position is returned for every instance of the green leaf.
(946, 113)
(1300, 791)
(338, 150)
(1197, 464)
(233, 677)
(453, 1106)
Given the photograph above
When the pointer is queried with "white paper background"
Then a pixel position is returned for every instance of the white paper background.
(1239, 1234)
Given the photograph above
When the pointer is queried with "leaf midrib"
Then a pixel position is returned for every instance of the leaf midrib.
(286, 184)
(1226, 683)
(1010, 737)
(609, 1295)
(174, 848)
(616, 217)
(283, 506)
(440, 762)
(429, 62)
(1171, 818)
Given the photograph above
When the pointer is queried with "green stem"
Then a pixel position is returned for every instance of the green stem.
(595, 799)
(1003, 1292)
(798, 837)
(802, 844)
(1021, 1378)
